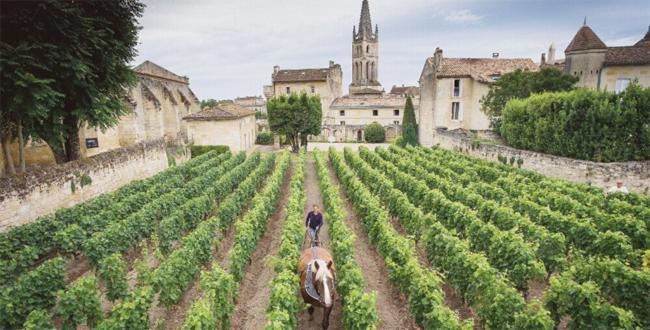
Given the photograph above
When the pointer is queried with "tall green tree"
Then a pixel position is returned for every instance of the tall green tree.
(78, 56)
(409, 125)
(521, 84)
(296, 117)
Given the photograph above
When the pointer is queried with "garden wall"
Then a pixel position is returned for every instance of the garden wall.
(45, 189)
(635, 175)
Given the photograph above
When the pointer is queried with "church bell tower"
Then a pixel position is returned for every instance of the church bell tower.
(365, 55)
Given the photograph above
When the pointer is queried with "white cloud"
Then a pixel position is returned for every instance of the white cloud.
(462, 16)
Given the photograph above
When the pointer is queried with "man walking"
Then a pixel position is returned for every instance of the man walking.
(313, 223)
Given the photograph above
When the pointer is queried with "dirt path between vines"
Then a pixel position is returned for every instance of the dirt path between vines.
(314, 197)
(392, 306)
(255, 290)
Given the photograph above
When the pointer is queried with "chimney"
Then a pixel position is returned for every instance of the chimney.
(276, 68)
(437, 57)
(495, 55)
(331, 64)
(543, 61)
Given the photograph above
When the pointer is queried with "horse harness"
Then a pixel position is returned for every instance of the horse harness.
(311, 290)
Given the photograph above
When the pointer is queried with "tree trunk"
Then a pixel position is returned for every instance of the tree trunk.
(8, 159)
(59, 152)
(21, 147)
(295, 146)
(72, 147)
(303, 138)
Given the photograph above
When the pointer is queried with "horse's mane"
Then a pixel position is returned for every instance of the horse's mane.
(321, 273)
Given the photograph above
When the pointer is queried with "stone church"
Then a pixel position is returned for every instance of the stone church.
(346, 116)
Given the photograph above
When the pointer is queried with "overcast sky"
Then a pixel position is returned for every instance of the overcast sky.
(228, 48)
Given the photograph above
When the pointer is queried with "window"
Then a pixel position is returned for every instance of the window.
(455, 111)
(342, 113)
(621, 84)
(342, 123)
(288, 90)
(375, 113)
(456, 87)
(313, 89)
(396, 112)
(367, 49)
(396, 122)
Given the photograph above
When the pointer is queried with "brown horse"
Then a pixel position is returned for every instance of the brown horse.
(317, 278)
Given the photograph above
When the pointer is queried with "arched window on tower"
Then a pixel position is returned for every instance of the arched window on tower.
(372, 71)
(368, 70)
(367, 49)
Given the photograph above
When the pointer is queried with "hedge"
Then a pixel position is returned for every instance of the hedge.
(375, 133)
(196, 151)
(584, 124)
(264, 138)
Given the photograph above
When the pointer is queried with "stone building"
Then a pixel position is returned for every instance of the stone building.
(324, 82)
(253, 103)
(157, 103)
(607, 68)
(412, 91)
(451, 90)
(226, 123)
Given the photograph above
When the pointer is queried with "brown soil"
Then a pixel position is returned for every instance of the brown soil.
(536, 290)
(392, 306)
(255, 291)
(314, 197)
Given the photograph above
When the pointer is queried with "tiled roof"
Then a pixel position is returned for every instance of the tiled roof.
(372, 101)
(301, 75)
(629, 55)
(226, 110)
(585, 39)
(410, 90)
(645, 42)
(482, 69)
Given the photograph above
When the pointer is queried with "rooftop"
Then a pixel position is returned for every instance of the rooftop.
(225, 110)
(628, 55)
(373, 101)
(482, 69)
(410, 90)
(301, 75)
(585, 39)
(153, 70)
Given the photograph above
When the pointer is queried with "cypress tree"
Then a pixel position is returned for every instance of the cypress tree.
(409, 125)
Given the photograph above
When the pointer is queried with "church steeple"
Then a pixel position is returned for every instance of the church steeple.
(365, 55)
(365, 24)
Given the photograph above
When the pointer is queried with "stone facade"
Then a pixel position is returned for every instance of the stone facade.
(635, 175)
(44, 190)
(325, 82)
(158, 102)
(226, 123)
(451, 90)
(385, 109)
(253, 103)
(365, 55)
(607, 68)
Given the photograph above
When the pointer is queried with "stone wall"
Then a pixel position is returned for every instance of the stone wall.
(45, 189)
(635, 175)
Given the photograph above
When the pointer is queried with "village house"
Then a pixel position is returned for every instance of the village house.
(451, 90)
(607, 68)
(324, 82)
(226, 123)
(253, 103)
